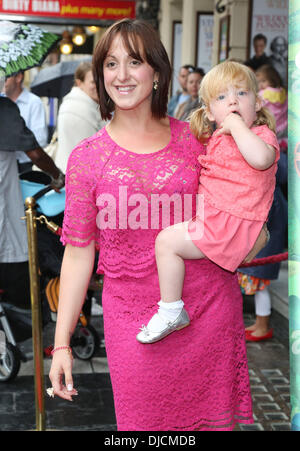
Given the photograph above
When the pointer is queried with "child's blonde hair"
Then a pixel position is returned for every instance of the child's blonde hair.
(216, 81)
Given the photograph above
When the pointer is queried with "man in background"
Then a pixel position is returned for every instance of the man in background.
(181, 95)
(14, 271)
(33, 112)
(260, 58)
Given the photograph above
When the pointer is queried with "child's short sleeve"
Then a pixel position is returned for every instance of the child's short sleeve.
(79, 225)
(268, 137)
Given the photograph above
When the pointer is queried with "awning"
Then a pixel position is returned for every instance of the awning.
(66, 11)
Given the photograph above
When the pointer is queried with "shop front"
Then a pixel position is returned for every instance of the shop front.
(80, 25)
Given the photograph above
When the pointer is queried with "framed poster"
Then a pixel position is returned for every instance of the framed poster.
(205, 25)
(271, 19)
(176, 54)
(224, 38)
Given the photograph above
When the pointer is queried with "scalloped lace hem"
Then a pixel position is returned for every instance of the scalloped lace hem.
(77, 238)
(76, 243)
(124, 271)
(114, 271)
(225, 424)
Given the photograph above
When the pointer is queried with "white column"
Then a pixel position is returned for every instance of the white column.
(188, 50)
(238, 41)
(189, 27)
(170, 11)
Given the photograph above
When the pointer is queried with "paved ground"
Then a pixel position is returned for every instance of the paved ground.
(269, 377)
(94, 411)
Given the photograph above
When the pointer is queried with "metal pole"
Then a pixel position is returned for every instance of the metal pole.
(294, 209)
(36, 313)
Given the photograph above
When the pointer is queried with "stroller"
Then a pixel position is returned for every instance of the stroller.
(16, 322)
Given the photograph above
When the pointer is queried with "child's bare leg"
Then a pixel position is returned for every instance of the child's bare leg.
(172, 246)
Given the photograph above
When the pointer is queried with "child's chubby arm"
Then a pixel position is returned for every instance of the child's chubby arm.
(256, 152)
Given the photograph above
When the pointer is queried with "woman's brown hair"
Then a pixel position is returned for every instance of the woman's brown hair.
(142, 43)
(82, 70)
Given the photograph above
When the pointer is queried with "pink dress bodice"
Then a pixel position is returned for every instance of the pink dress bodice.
(113, 197)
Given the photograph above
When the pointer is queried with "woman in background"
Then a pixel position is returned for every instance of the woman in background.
(79, 115)
(184, 111)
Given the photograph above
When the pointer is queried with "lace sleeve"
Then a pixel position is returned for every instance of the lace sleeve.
(268, 137)
(79, 225)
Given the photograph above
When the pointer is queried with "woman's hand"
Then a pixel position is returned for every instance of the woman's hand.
(62, 364)
(259, 244)
(75, 274)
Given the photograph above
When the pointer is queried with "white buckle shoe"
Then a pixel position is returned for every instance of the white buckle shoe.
(150, 336)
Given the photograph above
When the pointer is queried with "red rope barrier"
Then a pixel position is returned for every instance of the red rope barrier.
(266, 260)
(58, 231)
(256, 262)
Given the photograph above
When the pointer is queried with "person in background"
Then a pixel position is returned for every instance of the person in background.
(79, 115)
(14, 273)
(256, 280)
(181, 95)
(260, 57)
(275, 98)
(194, 78)
(33, 112)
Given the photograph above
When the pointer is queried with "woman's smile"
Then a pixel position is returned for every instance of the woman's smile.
(125, 90)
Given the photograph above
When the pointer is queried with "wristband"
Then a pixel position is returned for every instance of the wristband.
(61, 348)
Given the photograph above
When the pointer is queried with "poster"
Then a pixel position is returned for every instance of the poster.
(271, 18)
(205, 25)
(224, 38)
(294, 210)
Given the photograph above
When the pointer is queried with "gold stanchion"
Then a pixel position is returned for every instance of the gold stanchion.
(36, 313)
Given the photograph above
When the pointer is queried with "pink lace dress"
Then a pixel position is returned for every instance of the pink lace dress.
(197, 378)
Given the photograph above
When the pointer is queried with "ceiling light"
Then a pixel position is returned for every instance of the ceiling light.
(65, 44)
(93, 29)
(79, 36)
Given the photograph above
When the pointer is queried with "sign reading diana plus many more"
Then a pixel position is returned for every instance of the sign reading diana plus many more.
(88, 9)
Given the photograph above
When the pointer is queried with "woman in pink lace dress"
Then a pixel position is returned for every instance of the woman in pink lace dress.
(124, 184)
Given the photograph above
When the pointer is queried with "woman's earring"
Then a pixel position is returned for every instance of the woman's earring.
(155, 85)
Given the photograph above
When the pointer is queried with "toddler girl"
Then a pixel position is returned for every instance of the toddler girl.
(274, 97)
(236, 185)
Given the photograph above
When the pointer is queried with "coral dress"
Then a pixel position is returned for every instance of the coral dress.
(236, 199)
(197, 378)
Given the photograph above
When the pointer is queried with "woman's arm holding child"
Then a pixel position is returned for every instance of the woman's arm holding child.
(256, 152)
